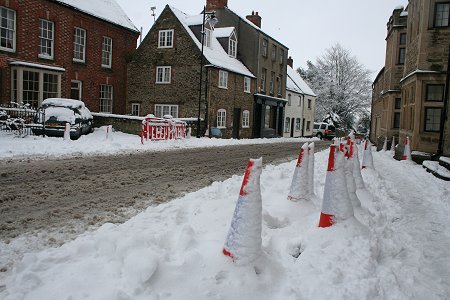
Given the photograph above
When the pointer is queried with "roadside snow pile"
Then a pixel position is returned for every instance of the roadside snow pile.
(395, 247)
(98, 143)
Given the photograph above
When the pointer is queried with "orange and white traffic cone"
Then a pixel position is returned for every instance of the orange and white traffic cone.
(299, 186)
(336, 204)
(311, 168)
(67, 132)
(367, 161)
(407, 150)
(243, 243)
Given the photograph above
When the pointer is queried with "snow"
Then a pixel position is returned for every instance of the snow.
(394, 247)
(445, 159)
(296, 83)
(64, 102)
(223, 32)
(434, 167)
(215, 54)
(39, 66)
(108, 10)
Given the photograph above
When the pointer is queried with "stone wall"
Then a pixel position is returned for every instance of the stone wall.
(126, 124)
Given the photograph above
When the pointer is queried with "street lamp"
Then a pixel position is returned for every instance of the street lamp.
(209, 17)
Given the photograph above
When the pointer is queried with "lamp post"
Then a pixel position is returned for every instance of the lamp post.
(212, 20)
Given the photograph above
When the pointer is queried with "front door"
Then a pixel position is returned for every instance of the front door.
(236, 122)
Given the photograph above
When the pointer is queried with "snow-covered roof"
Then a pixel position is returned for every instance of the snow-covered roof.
(296, 83)
(34, 65)
(215, 54)
(64, 102)
(108, 10)
(223, 32)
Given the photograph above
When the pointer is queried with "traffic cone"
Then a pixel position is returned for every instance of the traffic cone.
(243, 243)
(356, 167)
(385, 145)
(300, 182)
(311, 168)
(336, 204)
(67, 132)
(406, 150)
(393, 144)
(367, 161)
(109, 132)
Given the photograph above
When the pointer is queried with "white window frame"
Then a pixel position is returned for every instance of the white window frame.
(289, 100)
(444, 18)
(298, 124)
(107, 50)
(221, 118)
(232, 45)
(10, 29)
(80, 88)
(163, 74)
(223, 79)
(165, 38)
(287, 125)
(170, 109)
(207, 38)
(79, 39)
(103, 98)
(46, 35)
(247, 84)
(246, 119)
(135, 109)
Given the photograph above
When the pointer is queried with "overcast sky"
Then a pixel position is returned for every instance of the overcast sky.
(306, 27)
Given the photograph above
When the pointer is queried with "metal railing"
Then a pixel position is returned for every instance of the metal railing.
(20, 119)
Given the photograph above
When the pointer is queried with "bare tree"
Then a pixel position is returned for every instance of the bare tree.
(342, 85)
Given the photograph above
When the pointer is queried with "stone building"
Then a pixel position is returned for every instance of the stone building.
(301, 106)
(414, 103)
(71, 49)
(165, 75)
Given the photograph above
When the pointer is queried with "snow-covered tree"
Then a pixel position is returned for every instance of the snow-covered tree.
(342, 85)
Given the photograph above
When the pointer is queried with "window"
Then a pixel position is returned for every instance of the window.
(279, 84)
(245, 119)
(165, 39)
(281, 56)
(221, 118)
(75, 89)
(162, 110)
(441, 14)
(297, 124)
(223, 79)
(396, 120)
(247, 83)
(433, 119)
(272, 82)
(308, 125)
(46, 34)
(106, 98)
(207, 38)
(107, 52)
(32, 86)
(435, 92)
(7, 29)
(274, 52)
(398, 103)
(232, 45)
(135, 109)
(401, 56)
(263, 79)
(402, 39)
(309, 103)
(163, 74)
(289, 100)
(265, 45)
(287, 125)
(79, 44)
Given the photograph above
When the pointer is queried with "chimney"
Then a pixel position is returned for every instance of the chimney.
(290, 62)
(255, 19)
(216, 4)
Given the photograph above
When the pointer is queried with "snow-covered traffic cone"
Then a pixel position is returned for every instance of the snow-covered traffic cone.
(367, 161)
(311, 169)
(385, 145)
(243, 243)
(188, 133)
(109, 132)
(336, 204)
(299, 186)
(356, 167)
(207, 132)
(393, 145)
(67, 132)
(406, 150)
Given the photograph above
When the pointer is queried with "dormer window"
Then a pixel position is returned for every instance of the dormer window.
(232, 45)
(207, 38)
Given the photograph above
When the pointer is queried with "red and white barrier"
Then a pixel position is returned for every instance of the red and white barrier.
(367, 161)
(162, 129)
(336, 204)
(300, 181)
(407, 150)
(243, 243)
(311, 169)
(67, 132)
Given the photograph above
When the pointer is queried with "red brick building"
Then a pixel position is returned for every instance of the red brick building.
(65, 48)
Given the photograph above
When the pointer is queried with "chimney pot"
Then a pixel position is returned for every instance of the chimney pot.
(290, 62)
(216, 4)
(255, 18)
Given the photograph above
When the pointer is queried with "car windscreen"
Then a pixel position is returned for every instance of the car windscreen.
(331, 127)
(61, 114)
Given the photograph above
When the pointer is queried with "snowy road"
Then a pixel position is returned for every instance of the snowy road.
(66, 196)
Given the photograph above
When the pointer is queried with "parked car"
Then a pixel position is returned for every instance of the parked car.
(324, 131)
(59, 111)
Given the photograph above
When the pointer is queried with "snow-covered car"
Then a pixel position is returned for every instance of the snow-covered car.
(56, 112)
(324, 131)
